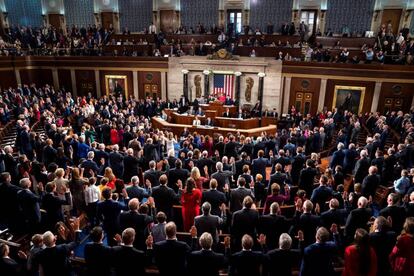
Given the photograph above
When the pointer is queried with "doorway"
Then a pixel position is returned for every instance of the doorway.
(392, 16)
(54, 20)
(107, 20)
(309, 17)
(234, 21)
(167, 21)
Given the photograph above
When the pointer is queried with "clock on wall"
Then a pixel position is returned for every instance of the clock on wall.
(149, 77)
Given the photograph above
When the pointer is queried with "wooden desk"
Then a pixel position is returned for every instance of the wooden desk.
(219, 108)
(236, 123)
(142, 50)
(159, 123)
(184, 119)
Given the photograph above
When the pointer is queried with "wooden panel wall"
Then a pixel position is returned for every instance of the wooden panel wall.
(65, 80)
(369, 92)
(130, 81)
(38, 76)
(7, 79)
(145, 78)
(306, 85)
(403, 91)
(85, 82)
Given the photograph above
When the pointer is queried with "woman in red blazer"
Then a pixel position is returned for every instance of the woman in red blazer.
(360, 258)
(402, 256)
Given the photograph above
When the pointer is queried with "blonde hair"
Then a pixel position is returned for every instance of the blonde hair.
(59, 172)
(195, 173)
(109, 174)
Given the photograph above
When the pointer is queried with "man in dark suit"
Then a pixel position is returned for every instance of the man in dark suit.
(259, 165)
(214, 197)
(338, 156)
(138, 222)
(358, 218)
(10, 164)
(126, 258)
(171, 255)
(49, 153)
(318, 257)
(30, 204)
(54, 259)
(226, 114)
(116, 162)
(101, 155)
(90, 165)
(361, 167)
(221, 176)
(152, 174)
(165, 197)
(383, 241)
(108, 211)
(52, 204)
(395, 212)
(307, 223)
(219, 146)
(9, 204)
(278, 177)
(236, 196)
(206, 262)
(97, 255)
(178, 173)
(247, 262)
(25, 144)
(273, 225)
(307, 177)
(203, 162)
(240, 164)
(333, 215)
(297, 165)
(371, 182)
(283, 259)
(322, 194)
(244, 221)
(135, 191)
(230, 148)
(131, 164)
(208, 222)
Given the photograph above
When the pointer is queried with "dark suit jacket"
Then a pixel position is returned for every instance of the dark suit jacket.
(165, 198)
(337, 159)
(321, 195)
(153, 176)
(243, 222)
(358, 218)
(171, 257)
(215, 198)
(281, 262)
(306, 180)
(370, 184)
(361, 169)
(273, 226)
(308, 223)
(383, 243)
(205, 263)
(331, 216)
(259, 166)
(137, 221)
(222, 178)
(130, 167)
(318, 258)
(98, 259)
(237, 196)
(137, 192)
(246, 263)
(116, 161)
(177, 174)
(208, 223)
(230, 149)
(53, 207)
(89, 165)
(397, 215)
(128, 261)
(108, 211)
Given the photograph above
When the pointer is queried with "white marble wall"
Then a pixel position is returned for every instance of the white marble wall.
(250, 67)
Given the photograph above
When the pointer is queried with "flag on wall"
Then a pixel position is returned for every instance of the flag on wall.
(223, 84)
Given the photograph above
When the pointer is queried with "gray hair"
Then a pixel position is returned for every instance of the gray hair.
(206, 208)
(206, 240)
(219, 166)
(285, 241)
(134, 180)
(91, 155)
(24, 183)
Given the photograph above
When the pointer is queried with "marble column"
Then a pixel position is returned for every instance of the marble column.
(185, 83)
(286, 94)
(238, 75)
(18, 78)
(135, 84)
(375, 99)
(55, 76)
(206, 74)
(261, 82)
(322, 93)
(98, 84)
(163, 86)
(73, 80)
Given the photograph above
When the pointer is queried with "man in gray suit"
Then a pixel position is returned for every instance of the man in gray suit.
(237, 195)
(208, 222)
(221, 176)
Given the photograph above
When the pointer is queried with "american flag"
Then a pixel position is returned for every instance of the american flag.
(223, 84)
